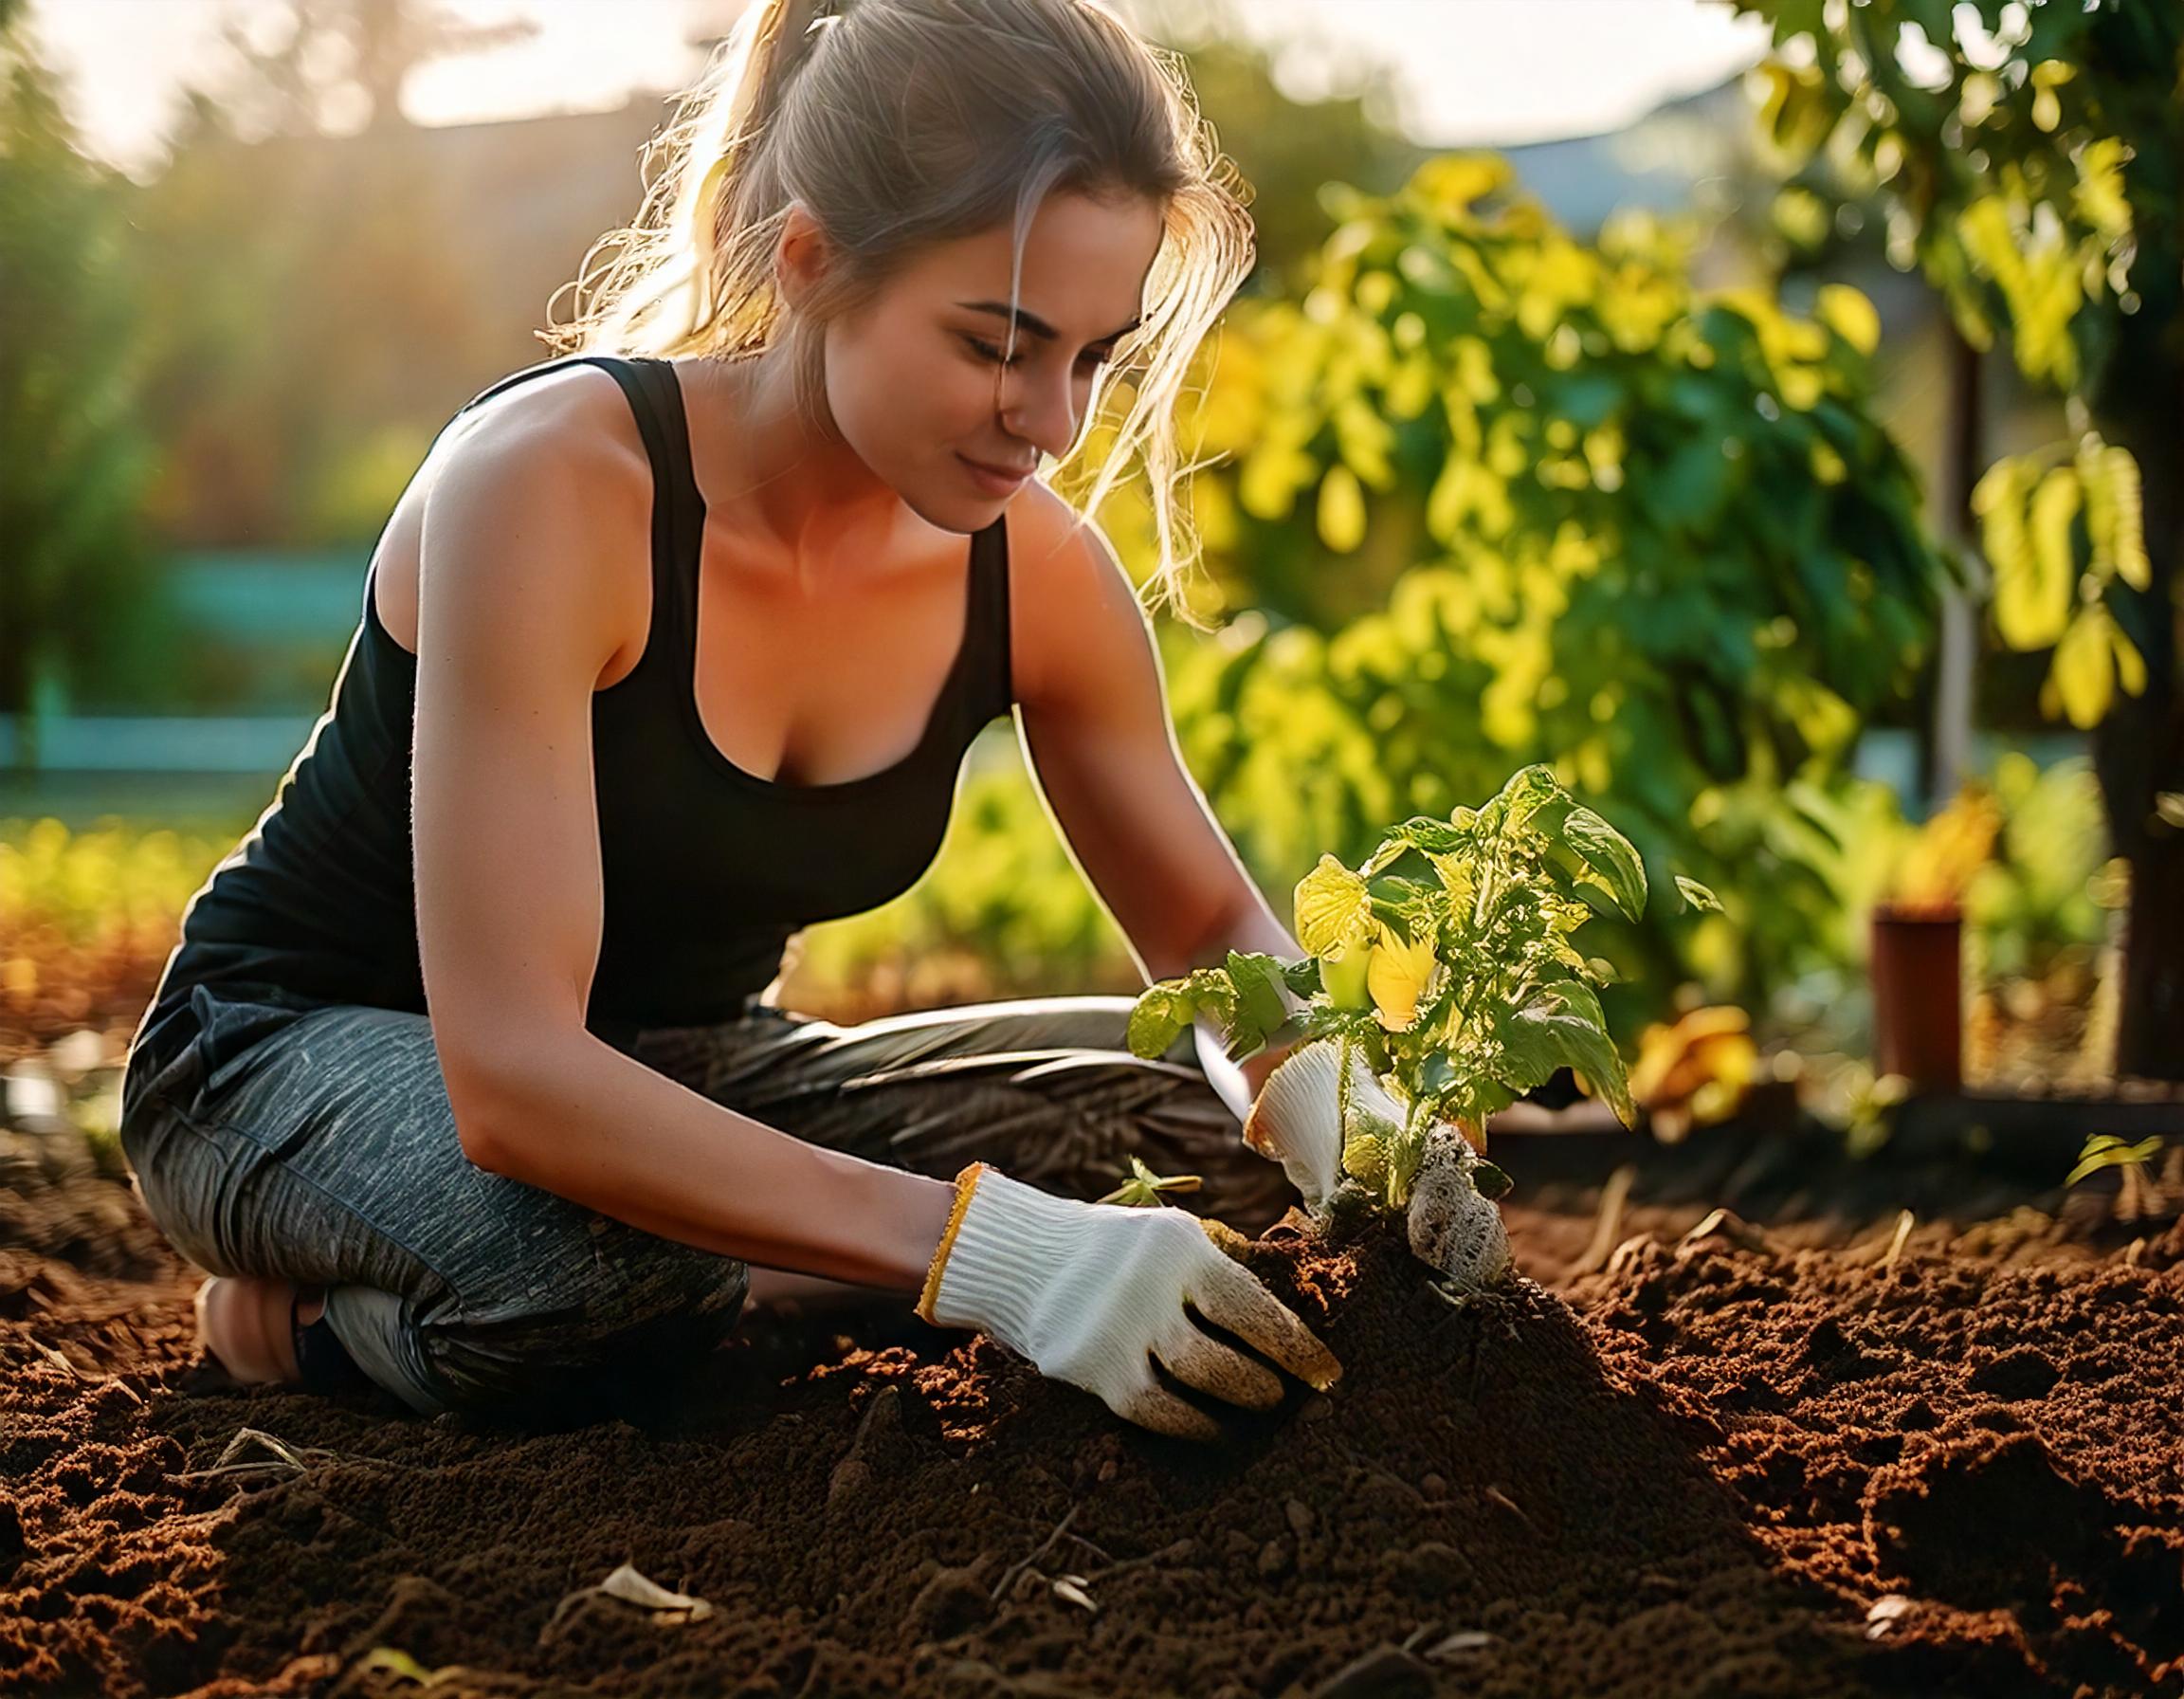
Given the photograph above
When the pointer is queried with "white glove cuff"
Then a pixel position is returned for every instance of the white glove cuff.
(1001, 1235)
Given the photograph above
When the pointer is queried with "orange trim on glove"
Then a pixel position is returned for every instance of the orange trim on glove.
(966, 1183)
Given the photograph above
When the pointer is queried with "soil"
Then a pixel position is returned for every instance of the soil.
(1764, 1459)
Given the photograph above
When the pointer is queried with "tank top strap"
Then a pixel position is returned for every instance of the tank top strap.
(996, 673)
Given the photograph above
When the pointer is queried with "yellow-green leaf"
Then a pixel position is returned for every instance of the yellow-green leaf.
(2084, 672)
(2032, 594)
(1696, 896)
(1333, 907)
(1341, 510)
(2115, 517)
(1850, 315)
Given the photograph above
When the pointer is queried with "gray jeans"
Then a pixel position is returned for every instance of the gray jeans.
(283, 1138)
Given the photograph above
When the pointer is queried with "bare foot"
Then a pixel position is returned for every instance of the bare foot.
(243, 1323)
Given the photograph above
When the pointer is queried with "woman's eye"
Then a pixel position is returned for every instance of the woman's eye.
(1091, 359)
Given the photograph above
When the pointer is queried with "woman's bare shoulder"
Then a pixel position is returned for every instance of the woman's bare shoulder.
(563, 443)
(572, 419)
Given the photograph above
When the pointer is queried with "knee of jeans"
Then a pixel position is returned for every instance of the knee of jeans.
(656, 1321)
(641, 1279)
(618, 1280)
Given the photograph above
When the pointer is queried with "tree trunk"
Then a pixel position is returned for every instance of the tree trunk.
(2138, 749)
(1946, 750)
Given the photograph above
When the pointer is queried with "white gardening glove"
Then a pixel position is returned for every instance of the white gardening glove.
(1296, 1120)
(1452, 1224)
(1089, 1292)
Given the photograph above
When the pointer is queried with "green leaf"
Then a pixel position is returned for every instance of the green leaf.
(1611, 858)
(1260, 1008)
(1696, 896)
(1562, 1027)
(1421, 832)
(1144, 1187)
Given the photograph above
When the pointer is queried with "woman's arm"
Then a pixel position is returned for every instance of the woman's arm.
(534, 570)
(1102, 749)
(573, 1115)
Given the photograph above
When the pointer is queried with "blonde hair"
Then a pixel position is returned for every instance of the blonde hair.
(902, 123)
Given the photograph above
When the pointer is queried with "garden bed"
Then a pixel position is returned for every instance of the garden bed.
(1786, 1453)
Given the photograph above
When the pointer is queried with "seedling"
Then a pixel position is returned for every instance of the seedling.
(1144, 1187)
(1439, 985)
(2140, 1196)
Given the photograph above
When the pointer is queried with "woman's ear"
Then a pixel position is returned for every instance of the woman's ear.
(801, 254)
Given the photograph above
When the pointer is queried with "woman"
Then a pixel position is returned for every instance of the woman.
(674, 646)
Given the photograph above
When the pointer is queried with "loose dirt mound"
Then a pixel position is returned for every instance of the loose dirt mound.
(1993, 1456)
(1715, 1471)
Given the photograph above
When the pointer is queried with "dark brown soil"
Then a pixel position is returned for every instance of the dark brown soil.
(1720, 1466)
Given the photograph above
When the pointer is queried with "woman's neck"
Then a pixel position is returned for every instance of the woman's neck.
(792, 493)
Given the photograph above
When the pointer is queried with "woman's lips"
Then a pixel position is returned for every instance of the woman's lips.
(992, 480)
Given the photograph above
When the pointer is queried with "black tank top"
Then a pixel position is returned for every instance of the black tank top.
(708, 870)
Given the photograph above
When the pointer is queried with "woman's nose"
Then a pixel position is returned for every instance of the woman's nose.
(1043, 411)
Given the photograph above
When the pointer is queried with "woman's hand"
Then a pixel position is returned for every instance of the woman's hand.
(1451, 1222)
(1093, 1294)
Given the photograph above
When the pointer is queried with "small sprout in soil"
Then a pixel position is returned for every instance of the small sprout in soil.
(2142, 1196)
(1144, 1187)
(396, 1662)
(1869, 1108)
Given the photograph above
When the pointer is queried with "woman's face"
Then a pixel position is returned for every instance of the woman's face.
(915, 378)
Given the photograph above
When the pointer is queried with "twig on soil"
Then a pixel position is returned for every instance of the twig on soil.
(1510, 1505)
(1096, 1550)
(1731, 1226)
(60, 1359)
(1609, 1222)
(1046, 1545)
(285, 1456)
(1117, 1568)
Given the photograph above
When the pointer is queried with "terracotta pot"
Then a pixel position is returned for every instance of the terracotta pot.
(1919, 995)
